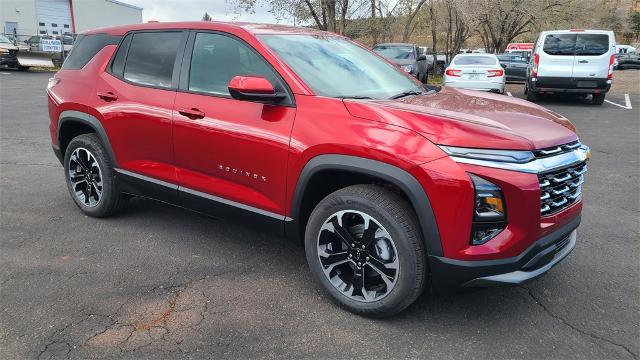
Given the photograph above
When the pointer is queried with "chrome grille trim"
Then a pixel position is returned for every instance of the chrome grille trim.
(560, 188)
(537, 166)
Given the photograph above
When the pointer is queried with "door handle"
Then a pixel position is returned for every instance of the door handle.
(192, 113)
(583, 61)
(108, 96)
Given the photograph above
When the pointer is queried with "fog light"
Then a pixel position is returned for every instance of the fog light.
(489, 214)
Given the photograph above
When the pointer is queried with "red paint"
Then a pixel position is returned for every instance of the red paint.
(251, 85)
(253, 153)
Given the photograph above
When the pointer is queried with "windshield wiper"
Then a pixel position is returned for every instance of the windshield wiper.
(355, 97)
(406, 93)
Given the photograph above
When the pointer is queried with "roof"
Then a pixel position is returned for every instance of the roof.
(253, 28)
(125, 4)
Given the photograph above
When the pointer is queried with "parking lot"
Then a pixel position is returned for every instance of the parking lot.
(161, 282)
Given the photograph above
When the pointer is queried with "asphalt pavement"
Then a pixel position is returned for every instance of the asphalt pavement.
(162, 282)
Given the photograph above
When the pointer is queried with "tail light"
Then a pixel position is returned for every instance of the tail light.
(453, 72)
(495, 73)
(536, 62)
(611, 61)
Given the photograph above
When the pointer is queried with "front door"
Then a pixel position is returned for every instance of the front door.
(230, 152)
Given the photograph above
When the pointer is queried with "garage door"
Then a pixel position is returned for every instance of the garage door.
(54, 16)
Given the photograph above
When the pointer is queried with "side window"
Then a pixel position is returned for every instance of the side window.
(151, 58)
(85, 48)
(216, 59)
(117, 66)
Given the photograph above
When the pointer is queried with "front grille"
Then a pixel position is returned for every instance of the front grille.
(561, 188)
(556, 150)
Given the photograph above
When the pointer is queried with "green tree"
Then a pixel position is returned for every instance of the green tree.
(206, 17)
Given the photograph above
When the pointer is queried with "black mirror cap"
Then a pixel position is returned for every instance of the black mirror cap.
(422, 57)
(264, 98)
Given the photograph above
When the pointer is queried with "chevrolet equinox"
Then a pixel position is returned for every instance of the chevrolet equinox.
(392, 186)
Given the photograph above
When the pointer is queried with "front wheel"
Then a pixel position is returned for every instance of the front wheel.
(90, 177)
(531, 95)
(363, 246)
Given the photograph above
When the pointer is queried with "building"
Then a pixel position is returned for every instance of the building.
(59, 17)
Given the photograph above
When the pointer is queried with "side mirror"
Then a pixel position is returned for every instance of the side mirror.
(422, 57)
(253, 88)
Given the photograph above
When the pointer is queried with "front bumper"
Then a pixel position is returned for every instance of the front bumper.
(9, 59)
(448, 274)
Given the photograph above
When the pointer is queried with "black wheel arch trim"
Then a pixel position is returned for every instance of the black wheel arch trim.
(91, 121)
(392, 174)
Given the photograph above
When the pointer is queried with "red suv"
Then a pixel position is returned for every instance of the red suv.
(391, 185)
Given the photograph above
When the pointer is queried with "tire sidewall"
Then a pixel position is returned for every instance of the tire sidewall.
(109, 191)
(407, 256)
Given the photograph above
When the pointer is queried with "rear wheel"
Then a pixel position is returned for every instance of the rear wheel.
(531, 95)
(598, 99)
(363, 246)
(23, 68)
(90, 177)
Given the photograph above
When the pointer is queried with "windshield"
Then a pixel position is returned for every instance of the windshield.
(474, 60)
(3, 39)
(335, 67)
(395, 52)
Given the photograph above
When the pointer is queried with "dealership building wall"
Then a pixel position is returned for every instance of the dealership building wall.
(59, 17)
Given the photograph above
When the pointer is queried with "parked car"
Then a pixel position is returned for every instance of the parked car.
(515, 66)
(624, 49)
(627, 61)
(475, 72)
(392, 187)
(8, 52)
(408, 57)
(572, 61)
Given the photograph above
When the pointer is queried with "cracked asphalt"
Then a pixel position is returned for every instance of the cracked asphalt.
(162, 282)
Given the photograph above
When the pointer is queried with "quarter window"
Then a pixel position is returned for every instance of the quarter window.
(151, 58)
(218, 58)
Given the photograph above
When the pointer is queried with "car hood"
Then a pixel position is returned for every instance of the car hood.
(466, 118)
(8, 46)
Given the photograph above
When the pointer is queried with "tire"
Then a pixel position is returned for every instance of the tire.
(531, 95)
(100, 196)
(23, 68)
(396, 248)
(598, 99)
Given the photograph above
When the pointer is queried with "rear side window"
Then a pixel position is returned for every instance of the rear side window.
(592, 44)
(117, 66)
(474, 60)
(85, 48)
(151, 58)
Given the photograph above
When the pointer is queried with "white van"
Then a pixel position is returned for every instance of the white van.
(572, 61)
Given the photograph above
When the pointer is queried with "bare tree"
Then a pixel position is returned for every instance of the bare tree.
(500, 21)
(411, 14)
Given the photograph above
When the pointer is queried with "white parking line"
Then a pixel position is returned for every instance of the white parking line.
(509, 93)
(5, 73)
(627, 102)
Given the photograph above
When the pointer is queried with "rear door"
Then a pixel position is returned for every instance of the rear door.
(135, 98)
(592, 56)
(518, 67)
(557, 55)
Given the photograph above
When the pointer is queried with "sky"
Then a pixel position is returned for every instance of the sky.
(190, 10)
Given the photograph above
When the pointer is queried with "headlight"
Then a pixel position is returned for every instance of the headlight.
(407, 68)
(489, 214)
(511, 156)
(4, 51)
